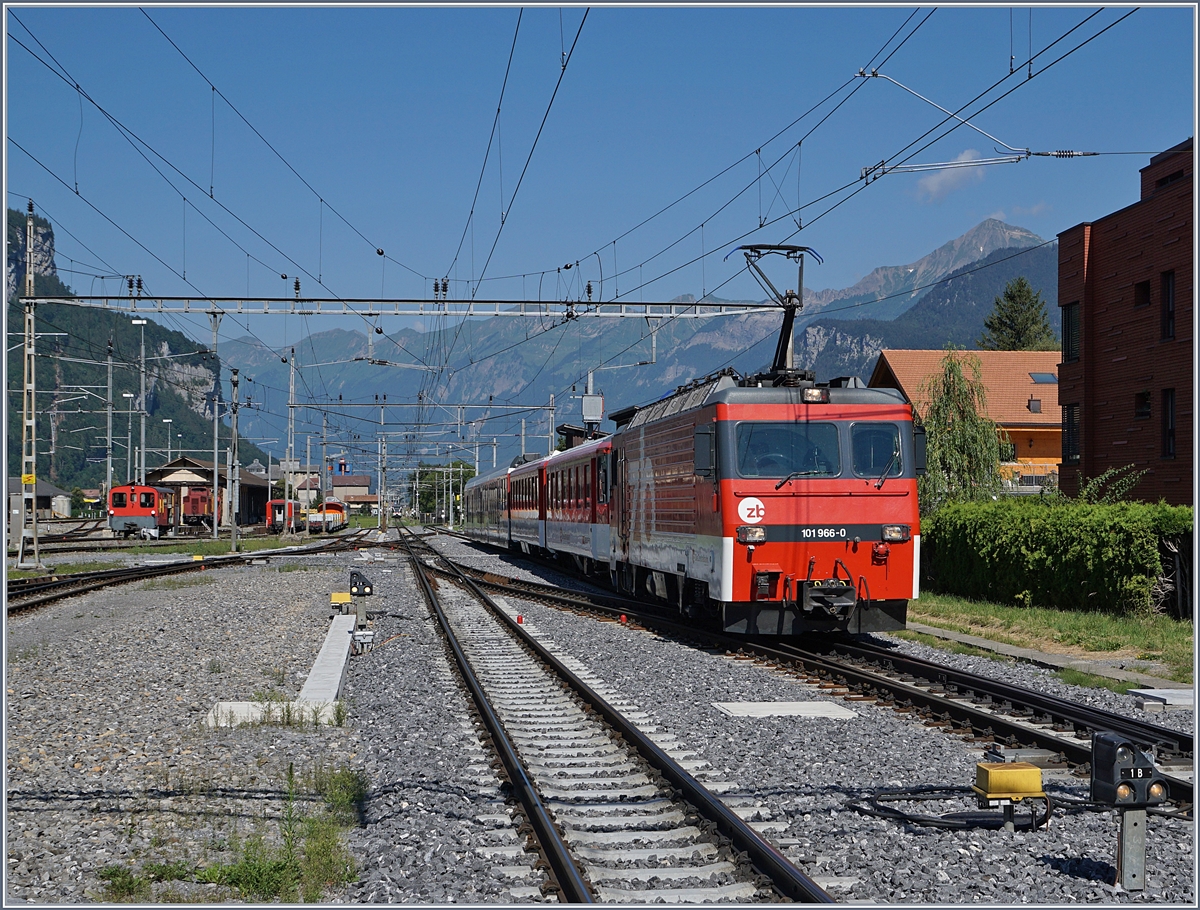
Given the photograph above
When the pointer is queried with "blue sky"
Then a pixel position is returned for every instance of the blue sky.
(386, 113)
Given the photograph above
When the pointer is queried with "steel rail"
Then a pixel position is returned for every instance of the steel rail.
(784, 876)
(566, 874)
(986, 723)
(1141, 732)
(26, 593)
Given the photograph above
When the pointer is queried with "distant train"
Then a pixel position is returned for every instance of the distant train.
(283, 513)
(770, 507)
(329, 516)
(142, 510)
(197, 505)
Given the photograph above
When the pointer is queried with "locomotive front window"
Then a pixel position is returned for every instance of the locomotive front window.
(876, 449)
(118, 500)
(779, 449)
(146, 500)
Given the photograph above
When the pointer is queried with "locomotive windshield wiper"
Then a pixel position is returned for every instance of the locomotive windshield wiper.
(796, 474)
(883, 476)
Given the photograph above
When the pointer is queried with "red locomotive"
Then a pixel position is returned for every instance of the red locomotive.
(147, 511)
(197, 505)
(771, 504)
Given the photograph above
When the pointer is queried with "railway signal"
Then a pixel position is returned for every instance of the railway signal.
(1124, 776)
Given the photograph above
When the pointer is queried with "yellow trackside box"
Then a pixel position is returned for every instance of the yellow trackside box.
(339, 597)
(1008, 780)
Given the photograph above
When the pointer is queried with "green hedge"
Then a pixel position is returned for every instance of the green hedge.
(1065, 555)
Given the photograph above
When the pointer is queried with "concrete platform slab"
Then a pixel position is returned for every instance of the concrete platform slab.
(783, 709)
(1181, 697)
(328, 674)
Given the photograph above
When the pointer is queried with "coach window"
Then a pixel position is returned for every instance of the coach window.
(146, 500)
(118, 500)
(875, 448)
(602, 479)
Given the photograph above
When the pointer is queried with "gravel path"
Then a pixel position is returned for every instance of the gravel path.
(108, 760)
(803, 771)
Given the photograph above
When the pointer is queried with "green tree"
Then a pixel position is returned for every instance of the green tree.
(963, 454)
(1018, 321)
(77, 503)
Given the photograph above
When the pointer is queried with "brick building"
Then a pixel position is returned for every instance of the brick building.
(1126, 292)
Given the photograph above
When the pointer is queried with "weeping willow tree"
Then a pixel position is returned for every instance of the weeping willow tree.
(963, 443)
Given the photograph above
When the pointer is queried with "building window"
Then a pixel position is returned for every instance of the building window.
(1141, 405)
(1070, 324)
(1141, 294)
(1168, 423)
(1168, 305)
(1070, 414)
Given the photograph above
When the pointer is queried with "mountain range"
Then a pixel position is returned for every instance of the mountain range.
(510, 361)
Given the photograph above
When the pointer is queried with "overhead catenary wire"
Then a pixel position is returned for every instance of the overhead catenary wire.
(267, 142)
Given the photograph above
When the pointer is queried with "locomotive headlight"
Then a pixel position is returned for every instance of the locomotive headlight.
(896, 533)
(815, 396)
(751, 534)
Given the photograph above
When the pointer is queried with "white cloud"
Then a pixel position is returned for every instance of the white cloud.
(1035, 209)
(941, 183)
(998, 215)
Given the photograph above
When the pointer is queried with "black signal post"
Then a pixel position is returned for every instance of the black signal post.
(1124, 777)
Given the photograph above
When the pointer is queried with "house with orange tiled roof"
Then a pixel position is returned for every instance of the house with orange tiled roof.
(1021, 388)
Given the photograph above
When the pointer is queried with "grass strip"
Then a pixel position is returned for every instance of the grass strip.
(1150, 638)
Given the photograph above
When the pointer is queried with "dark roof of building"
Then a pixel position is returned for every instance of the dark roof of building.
(351, 480)
(44, 488)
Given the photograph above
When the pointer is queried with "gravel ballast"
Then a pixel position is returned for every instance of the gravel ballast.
(109, 761)
(804, 770)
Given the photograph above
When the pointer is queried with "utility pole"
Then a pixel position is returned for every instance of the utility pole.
(383, 490)
(109, 409)
(550, 435)
(129, 439)
(324, 442)
(522, 435)
(235, 474)
(290, 481)
(142, 396)
(493, 451)
(307, 471)
(29, 535)
(379, 490)
(216, 515)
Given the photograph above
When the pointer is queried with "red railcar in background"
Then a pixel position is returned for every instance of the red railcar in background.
(283, 513)
(196, 506)
(137, 509)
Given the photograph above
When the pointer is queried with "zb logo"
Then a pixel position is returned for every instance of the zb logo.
(752, 510)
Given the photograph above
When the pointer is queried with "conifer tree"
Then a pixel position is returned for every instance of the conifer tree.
(1018, 321)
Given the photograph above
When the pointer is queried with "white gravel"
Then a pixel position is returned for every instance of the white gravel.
(803, 771)
(108, 760)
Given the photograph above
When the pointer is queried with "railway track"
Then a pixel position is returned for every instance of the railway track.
(30, 593)
(616, 812)
(1014, 723)
(88, 541)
